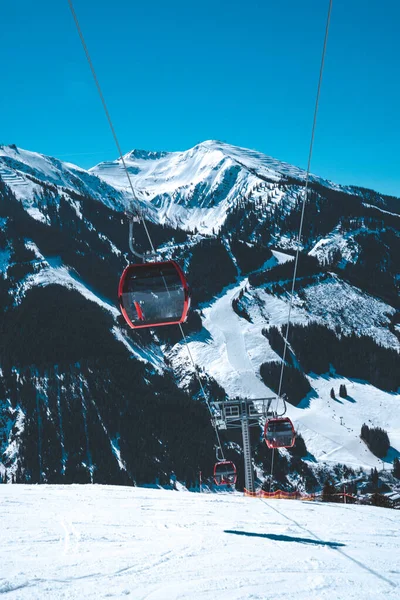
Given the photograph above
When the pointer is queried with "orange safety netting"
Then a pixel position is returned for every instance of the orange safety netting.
(279, 495)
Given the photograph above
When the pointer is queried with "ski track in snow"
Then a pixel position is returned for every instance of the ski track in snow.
(231, 350)
(226, 329)
(97, 542)
(234, 348)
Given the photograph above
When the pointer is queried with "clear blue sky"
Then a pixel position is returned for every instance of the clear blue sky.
(175, 73)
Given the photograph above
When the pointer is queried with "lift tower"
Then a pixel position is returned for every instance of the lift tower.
(243, 414)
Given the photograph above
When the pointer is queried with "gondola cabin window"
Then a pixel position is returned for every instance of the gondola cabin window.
(279, 433)
(154, 294)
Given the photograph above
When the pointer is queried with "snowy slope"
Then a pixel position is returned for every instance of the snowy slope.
(24, 172)
(337, 241)
(191, 189)
(336, 303)
(231, 349)
(114, 542)
(331, 427)
(51, 271)
(205, 188)
(196, 188)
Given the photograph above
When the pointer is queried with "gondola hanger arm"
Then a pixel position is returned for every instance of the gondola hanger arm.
(283, 398)
(219, 454)
(132, 217)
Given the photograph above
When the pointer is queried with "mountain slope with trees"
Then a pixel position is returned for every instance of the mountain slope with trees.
(84, 398)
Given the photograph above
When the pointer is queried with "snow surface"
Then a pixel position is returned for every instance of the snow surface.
(387, 212)
(151, 354)
(331, 427)
(18, 166)
(97, 542)
(53, 272)
(196, 188)
(334, 302)
(231, 350)
(337, 241)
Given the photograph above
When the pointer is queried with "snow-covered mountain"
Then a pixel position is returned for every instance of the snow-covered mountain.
(198, 187)
(194, 189)
(230, 216)
(26, 172)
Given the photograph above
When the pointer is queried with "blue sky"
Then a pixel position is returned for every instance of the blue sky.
(176, 73)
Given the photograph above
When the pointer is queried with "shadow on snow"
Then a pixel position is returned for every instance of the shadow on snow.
(285, 538)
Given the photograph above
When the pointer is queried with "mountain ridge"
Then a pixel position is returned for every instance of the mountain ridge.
(232, 221)
(211, 176)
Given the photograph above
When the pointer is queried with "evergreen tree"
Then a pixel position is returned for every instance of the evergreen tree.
(374, 479)
(376, 439)
(365, 433)
(328, 491)
(299, 449)
(317, 348)
(396, 468)
(295, 384)
(381, 500)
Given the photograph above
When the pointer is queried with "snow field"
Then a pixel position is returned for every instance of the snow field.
(336, 303)
(16, 164)
(231, 350)
(114, 542)
(331, 427)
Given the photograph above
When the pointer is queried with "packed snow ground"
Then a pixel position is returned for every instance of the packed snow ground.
(97, 542)
(331, 427)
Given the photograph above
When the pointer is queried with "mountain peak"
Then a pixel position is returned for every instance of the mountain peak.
(145, 154)
(11, 146)
(207, 144)
(194, 188)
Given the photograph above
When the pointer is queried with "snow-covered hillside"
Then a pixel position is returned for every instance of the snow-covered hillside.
(196, 188)
(192, 189)
(25, 173)
(231, 349)
(114, 542)
(230, 216)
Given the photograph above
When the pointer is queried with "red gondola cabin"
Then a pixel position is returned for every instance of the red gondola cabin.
(279, 433)
(225, 473)
(154, 294)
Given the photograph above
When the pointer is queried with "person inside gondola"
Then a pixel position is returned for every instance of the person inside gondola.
(161, 301)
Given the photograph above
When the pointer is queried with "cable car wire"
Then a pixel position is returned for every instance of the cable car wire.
(203, 392)
(305, 195)
(139, 212)
(137, 209)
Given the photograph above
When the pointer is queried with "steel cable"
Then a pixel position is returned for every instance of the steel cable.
(134, 197)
